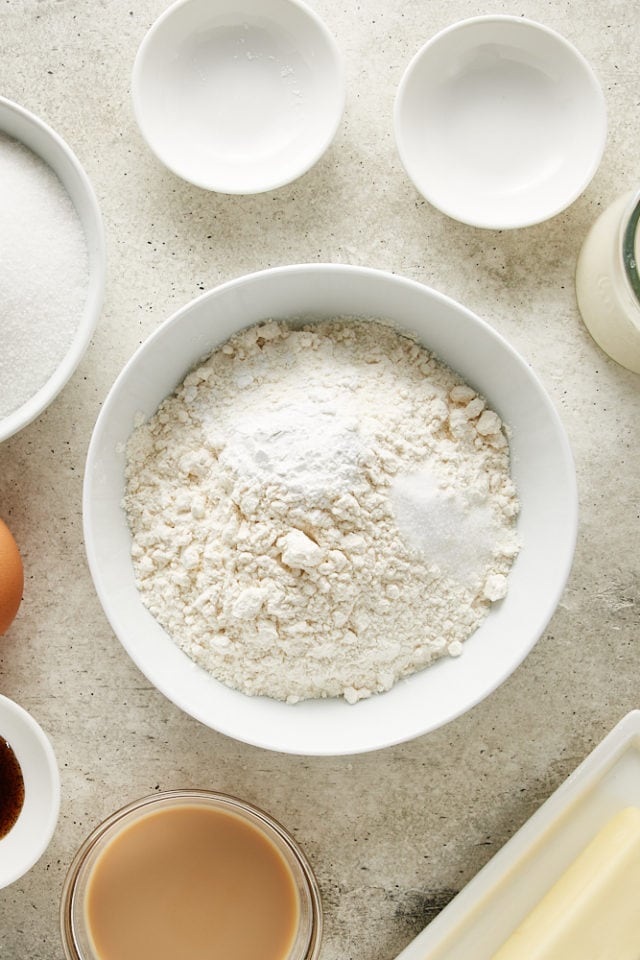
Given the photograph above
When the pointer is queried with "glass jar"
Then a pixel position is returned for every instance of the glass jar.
(608, 282)
(76, 924)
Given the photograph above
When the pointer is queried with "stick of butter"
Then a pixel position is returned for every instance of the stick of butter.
(592, 912)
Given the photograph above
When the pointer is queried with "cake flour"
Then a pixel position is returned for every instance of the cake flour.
(318, 512)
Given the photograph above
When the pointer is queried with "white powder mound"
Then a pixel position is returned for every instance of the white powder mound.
(319, 512)
(45, 273)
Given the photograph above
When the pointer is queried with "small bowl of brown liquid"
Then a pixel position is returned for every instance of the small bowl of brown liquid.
(29, 791)
(190, 874)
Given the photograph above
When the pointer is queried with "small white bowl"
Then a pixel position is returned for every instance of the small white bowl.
(25, 127)
(542, 467)
(238, 96)
(29, 837)
(499, 122)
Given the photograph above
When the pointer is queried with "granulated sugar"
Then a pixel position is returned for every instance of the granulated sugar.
(44, 273)
(319, 512)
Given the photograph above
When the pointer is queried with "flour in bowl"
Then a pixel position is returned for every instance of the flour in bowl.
(320, 511)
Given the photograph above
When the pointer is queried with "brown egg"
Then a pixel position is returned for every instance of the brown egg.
(11, 578)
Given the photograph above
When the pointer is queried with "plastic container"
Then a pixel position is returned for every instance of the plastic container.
(543, 472)
(492, 905)
(608, 282)
(75, 923)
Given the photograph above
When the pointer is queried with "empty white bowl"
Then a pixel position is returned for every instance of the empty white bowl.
(500, 122)
(238, 96)
(29, 837)
(25, 127)
(541, 463)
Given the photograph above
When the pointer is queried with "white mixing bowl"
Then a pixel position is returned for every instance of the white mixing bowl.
(542, 467)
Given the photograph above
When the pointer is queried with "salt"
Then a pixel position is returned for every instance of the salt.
(443, 524)
(45, 273)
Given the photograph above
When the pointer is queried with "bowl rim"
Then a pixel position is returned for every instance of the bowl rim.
(493, 223)
(203, 183)
(261, 737)
(96, 253)
(41, 838)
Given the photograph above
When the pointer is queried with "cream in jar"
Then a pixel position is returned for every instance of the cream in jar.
(190, 874)
(608, 281)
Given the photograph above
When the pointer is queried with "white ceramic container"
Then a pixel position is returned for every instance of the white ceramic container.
(492, 905)
(542, 468)
(238, 96)
(21, 125)
(30, 835)
(500, 122)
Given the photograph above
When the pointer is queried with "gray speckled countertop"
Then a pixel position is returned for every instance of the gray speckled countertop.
(392, 835)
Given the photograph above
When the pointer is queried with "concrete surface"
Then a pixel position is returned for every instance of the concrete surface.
(392, 835)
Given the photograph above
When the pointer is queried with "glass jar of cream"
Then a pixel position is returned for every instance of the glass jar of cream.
(190, 874)
(608, 281)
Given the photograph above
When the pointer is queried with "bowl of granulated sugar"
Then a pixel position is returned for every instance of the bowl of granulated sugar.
(52, 251)
(328, 509)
